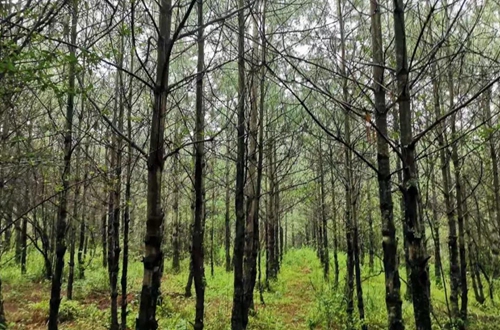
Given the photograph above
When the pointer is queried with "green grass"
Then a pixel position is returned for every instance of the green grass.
(299, 299)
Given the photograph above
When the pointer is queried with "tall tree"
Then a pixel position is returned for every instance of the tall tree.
(237, 313)
(197, 249)
(349, 185)
(414, 227)
(62, 209)
(153, 256)
(389, 242)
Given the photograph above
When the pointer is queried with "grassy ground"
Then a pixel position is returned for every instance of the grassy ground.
(300, 299)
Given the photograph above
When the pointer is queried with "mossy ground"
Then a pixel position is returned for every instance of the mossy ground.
(299, 299)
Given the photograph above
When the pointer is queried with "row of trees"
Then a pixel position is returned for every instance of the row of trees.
(295, 113)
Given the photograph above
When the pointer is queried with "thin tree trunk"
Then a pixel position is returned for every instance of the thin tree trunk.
(24, 241)
(227, 219)
(115, 195)
(460, 217)
(197, 250)
(334, 221)
(72, 228)
(357, 267)
(348, 172)
(237, 315)
(419, 277)
(436, 232)
(81, 235)
(176, 266)
(326, 256)
(55, 293)
(128, 203)
(104, 235)
(371, 234)
(450, 208)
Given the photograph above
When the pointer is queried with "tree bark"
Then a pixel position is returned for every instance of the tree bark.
(176, 266)
(55, 293)
(153, 256)
(348, 172)
(419, 275)
(197, 250)
(227, 219)
(462, 266)
(115, 195)
(334, 221)
(436, 232)
(239, 240)
(326, 256)
(389, 243)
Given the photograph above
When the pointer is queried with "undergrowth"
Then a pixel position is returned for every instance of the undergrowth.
(299, 299)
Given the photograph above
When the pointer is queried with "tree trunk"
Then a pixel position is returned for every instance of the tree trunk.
(227, 219)
(492, 141)
(153, 256)
(419, 275)
(104, 234)
(371, 234)
(55, 293)
(389, 242)
(348, 172)
(176, 266)
(239, 240)
(462, 266)
(128, 204)
(326, 256)
(115, 195)
(334, 221)
(357, 267)
(197, 250)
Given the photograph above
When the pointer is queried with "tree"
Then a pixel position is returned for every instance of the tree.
(414, 230)
(238, 312)
(62, 210)
(197, 249)
(389, 243)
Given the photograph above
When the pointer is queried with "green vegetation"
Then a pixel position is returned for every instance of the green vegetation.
(300, 299)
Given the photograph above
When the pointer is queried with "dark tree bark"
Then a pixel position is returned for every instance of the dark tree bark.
(326, 256)
(212, 228)
(115, 194)
(239, 240)
(153, 256)
(419, 275)
(55, 293)
(197, 249)
(334, 221)
(389, 243)
(189, 284)
(128, 203)
(254, 173)
(176, 266)
(357, 267)
(227, 220)
(72, 228)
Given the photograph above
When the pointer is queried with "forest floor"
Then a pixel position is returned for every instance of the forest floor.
(299, 299)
